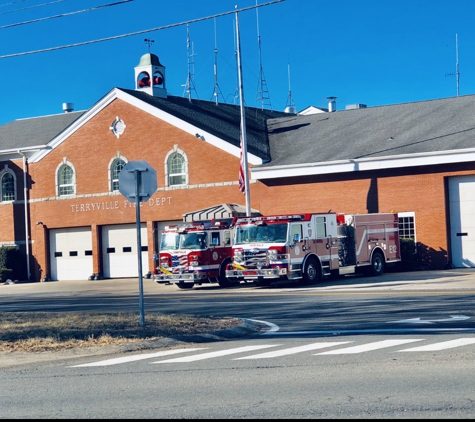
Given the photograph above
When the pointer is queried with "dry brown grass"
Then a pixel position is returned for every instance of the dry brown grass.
(51, 331)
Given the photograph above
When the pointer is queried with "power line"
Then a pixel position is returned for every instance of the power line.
(138, 32)
(29, 7)
(62, 15)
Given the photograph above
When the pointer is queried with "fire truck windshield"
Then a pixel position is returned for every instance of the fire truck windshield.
(193, 241)
(170, 241)
(271, 233)
(175, 241)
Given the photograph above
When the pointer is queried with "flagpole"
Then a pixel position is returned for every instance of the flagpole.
(243, 161)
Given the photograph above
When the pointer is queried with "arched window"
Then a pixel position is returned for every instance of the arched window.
(66, 180)
(115, 169)
(8, 187)
(177, 168)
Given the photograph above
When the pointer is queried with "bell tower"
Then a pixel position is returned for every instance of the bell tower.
(150, 75)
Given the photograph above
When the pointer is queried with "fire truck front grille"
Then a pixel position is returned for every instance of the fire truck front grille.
(255, 259)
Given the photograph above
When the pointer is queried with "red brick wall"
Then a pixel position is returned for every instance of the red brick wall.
(93, 146)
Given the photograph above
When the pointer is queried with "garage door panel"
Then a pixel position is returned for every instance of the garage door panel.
(71, 254)
(462, 220)
(120, 255)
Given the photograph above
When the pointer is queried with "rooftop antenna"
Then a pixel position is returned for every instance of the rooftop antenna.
(190, 83)
(290, 106)
(216, 90)
(149, 42)
(456, 73)
(262, 92)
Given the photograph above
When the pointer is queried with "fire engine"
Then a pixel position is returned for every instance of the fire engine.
(195, 253)
(307, 247)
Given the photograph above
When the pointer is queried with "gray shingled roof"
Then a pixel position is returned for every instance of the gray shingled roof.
(221, 120)
(25, 133)
(409, 128)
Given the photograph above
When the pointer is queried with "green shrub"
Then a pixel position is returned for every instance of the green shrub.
(11, 259)
(5, 274)
(409, 257)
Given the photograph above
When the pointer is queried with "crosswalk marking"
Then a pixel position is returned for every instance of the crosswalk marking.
(367, 347)
(284, 352)
(134, 358)
(294, 350)
(441, 346)
(216, 354)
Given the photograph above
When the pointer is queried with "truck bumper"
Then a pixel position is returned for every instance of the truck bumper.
(256, 273)
(176, 278)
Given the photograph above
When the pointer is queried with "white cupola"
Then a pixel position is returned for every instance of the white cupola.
(150, 76)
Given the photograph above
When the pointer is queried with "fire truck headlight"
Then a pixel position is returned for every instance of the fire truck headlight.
(194, 263)
(272, 255)
(238, 256)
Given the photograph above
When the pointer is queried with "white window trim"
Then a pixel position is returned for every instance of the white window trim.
(65, 162)
(2, 173)
(111, 163)
(413, 215)
(170, 153)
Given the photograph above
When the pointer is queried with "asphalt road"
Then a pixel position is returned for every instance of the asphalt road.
(400, 346)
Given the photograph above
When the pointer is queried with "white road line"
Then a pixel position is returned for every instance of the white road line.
(441, 346)
(134, 358)
(273, 327)
(294, 350)
(368, 347)
(217, 354)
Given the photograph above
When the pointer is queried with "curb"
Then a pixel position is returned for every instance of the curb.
(247, 327)
(23, 358)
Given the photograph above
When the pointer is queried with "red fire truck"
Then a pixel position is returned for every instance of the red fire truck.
(306, 247)
(195, 253)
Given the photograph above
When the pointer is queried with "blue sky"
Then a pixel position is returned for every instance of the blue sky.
(373, 52)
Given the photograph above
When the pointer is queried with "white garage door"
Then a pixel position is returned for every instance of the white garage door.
(119, 250)
(462, 220)
(70, 253)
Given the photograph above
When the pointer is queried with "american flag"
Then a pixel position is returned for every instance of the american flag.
(178, 260)
(242, 183)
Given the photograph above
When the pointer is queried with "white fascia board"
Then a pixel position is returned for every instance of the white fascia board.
(186, 127)
(366, 164)
(16, 153)
(81, 121)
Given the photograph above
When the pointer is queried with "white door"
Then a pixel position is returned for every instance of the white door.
(462, 220)
(70, 253)
(119, 250)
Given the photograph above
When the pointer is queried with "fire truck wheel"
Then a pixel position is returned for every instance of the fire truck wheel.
(377, 264)
(262, 282)
(311, 272)
(223, 281)
(183, 285)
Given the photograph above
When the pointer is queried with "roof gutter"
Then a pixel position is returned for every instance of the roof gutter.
(25, 149)
(364, 164)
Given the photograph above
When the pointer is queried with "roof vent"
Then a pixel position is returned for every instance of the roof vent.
(355, 106)
(331, 104)
(290, 110)
(68, 107)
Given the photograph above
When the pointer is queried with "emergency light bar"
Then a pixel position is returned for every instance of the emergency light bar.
(183, 228)
(271, 218)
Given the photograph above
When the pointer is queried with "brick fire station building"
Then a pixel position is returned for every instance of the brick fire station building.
(60, 203)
